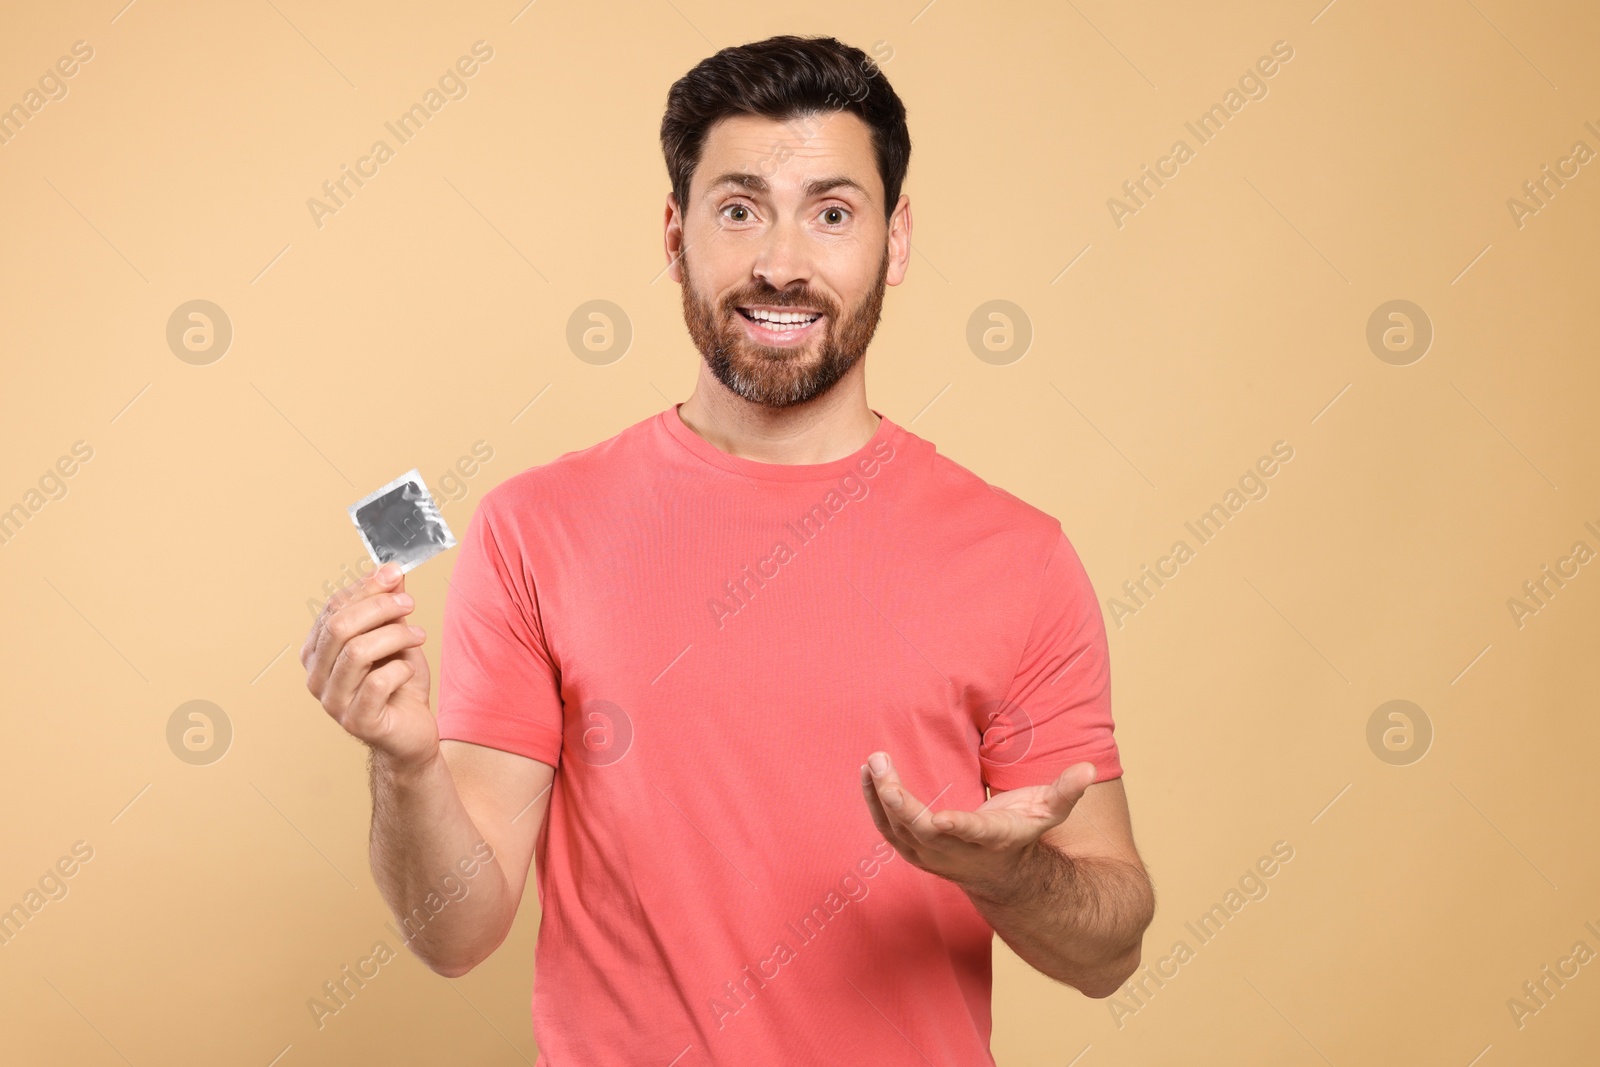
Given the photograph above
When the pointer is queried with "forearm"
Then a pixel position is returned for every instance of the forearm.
(434, 868)
(1078, 920)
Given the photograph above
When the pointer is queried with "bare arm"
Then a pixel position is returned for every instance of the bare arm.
(1079, 901)
(453, 824)
(452, 842)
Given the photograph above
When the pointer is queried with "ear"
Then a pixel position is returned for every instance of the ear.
(899, 241)
(672, 238)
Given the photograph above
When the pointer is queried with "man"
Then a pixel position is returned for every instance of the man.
(793, 712)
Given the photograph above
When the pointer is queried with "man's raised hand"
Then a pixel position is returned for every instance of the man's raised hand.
(365, 664)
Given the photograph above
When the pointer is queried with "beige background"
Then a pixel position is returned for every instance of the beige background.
(1229, 313)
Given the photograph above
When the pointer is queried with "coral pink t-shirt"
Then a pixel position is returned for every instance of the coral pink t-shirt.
(707, 648)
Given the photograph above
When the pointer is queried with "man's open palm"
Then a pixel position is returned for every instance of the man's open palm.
(979, 850)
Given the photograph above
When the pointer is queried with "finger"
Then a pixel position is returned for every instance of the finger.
(1068, 789)
(975, 828)
(358, 656)
(908, 815)
(1063, 794)
(365, 715)
(381, 578)
(358, 618)
(385, 579)
(355, 618)
(880, 817)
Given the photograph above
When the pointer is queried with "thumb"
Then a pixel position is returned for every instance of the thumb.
(391, 578)
(1069, 787)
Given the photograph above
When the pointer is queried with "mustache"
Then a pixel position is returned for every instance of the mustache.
(783, 298)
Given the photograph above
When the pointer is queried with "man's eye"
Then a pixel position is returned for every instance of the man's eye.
(738, 207)
(827, 212)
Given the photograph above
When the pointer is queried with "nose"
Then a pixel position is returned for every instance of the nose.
(783, 257)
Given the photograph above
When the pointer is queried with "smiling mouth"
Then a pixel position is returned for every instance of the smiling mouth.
(780, 321)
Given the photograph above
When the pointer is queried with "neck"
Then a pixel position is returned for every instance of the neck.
(829, 427)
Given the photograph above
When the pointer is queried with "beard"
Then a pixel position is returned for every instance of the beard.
(780, 377)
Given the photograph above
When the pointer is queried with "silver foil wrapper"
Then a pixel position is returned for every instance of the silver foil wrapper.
(400, 523)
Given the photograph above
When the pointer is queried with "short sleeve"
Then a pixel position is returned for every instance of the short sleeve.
(1057, 711)
(498, 685)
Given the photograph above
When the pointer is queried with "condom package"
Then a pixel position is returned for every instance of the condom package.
(400, 523)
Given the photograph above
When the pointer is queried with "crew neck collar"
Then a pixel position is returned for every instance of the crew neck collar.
(774, 472)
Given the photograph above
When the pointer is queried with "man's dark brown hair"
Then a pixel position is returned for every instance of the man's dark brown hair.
(784, 78)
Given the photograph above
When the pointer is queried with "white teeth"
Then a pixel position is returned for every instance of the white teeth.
(782, 316)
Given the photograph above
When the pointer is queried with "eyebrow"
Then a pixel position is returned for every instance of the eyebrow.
(816, 187)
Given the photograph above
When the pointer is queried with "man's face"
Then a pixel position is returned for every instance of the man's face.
(785, 253)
